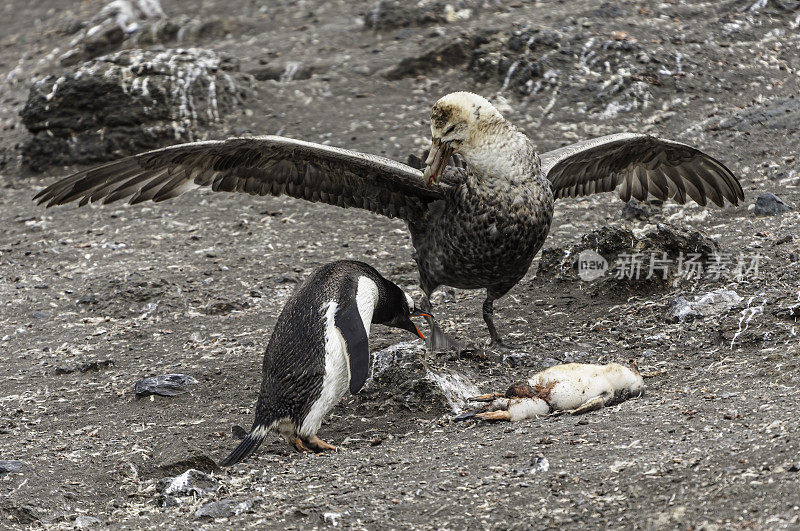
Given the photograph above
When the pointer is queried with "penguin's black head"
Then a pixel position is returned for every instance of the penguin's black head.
(396, 308)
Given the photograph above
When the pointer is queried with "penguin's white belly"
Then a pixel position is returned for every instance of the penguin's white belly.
(573, 384)
(335, 381)
(526, 408)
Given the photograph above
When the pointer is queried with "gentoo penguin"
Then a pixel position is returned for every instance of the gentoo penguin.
(573, 388)
(477, 225)
(319, 350)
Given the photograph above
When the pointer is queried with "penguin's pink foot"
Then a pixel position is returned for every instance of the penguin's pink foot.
(300, 446)
(487, 397)
(494, 415)
(318, 445)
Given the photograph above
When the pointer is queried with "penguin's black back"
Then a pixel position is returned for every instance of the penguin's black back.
(294, 361)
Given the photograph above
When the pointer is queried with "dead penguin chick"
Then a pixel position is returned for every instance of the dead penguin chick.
(319, 349)
(572, 388)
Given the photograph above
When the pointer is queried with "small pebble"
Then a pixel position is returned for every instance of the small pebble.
(770, 205)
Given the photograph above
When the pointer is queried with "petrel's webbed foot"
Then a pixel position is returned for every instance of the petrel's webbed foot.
(318, 445)
(502, 347)
(438, 341)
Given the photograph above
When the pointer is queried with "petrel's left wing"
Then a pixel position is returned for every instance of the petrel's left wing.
(640, 165)
(265, 165)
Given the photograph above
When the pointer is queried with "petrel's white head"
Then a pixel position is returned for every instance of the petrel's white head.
(458, 121)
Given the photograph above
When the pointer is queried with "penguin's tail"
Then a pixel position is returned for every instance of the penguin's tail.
(249, 445)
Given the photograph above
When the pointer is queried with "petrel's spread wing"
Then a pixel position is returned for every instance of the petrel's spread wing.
(640, 165)
(267, 165)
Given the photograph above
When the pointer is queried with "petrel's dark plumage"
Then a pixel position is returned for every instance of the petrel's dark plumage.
(476, 225)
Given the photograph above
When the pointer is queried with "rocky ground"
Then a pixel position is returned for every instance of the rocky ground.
(96, 299)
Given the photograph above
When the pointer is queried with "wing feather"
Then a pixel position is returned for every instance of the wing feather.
(268, 165)
(640, 165)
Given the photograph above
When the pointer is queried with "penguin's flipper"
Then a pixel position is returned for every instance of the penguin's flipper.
(466, 416)
(348, 321)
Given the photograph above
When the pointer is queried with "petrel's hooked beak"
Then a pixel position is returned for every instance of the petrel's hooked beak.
(437, 160)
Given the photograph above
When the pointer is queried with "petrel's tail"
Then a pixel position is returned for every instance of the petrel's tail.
(249, 445)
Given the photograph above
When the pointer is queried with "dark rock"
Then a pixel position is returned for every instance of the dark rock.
(110, 27)
(11, 514)
(607, 75)
(778, 114)
(225, 508)
(635, 209)
(125, 24)
(770, 205)
(400, 380)
(394, 14)
(627, 259)
(178, 456)
(125, 103)
(222, 308)
(9, 466)
(789, 312)
(608, 10)
(190, 483)
(238, 432)
(794, 467)
(87, 300)
(165, 385)
(89, 366)
(450, 53)
(169, 501)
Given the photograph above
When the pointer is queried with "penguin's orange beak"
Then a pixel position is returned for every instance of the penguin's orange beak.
(417, 313)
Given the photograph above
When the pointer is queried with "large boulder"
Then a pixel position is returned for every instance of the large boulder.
(616, 259)
(606, 73)
(127, 102)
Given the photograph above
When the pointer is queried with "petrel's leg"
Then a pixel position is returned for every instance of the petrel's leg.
(438, 341)
(318, 445)
(492, 294)
(488, 317)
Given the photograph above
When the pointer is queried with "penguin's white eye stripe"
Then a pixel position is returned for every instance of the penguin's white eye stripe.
(411, 306)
